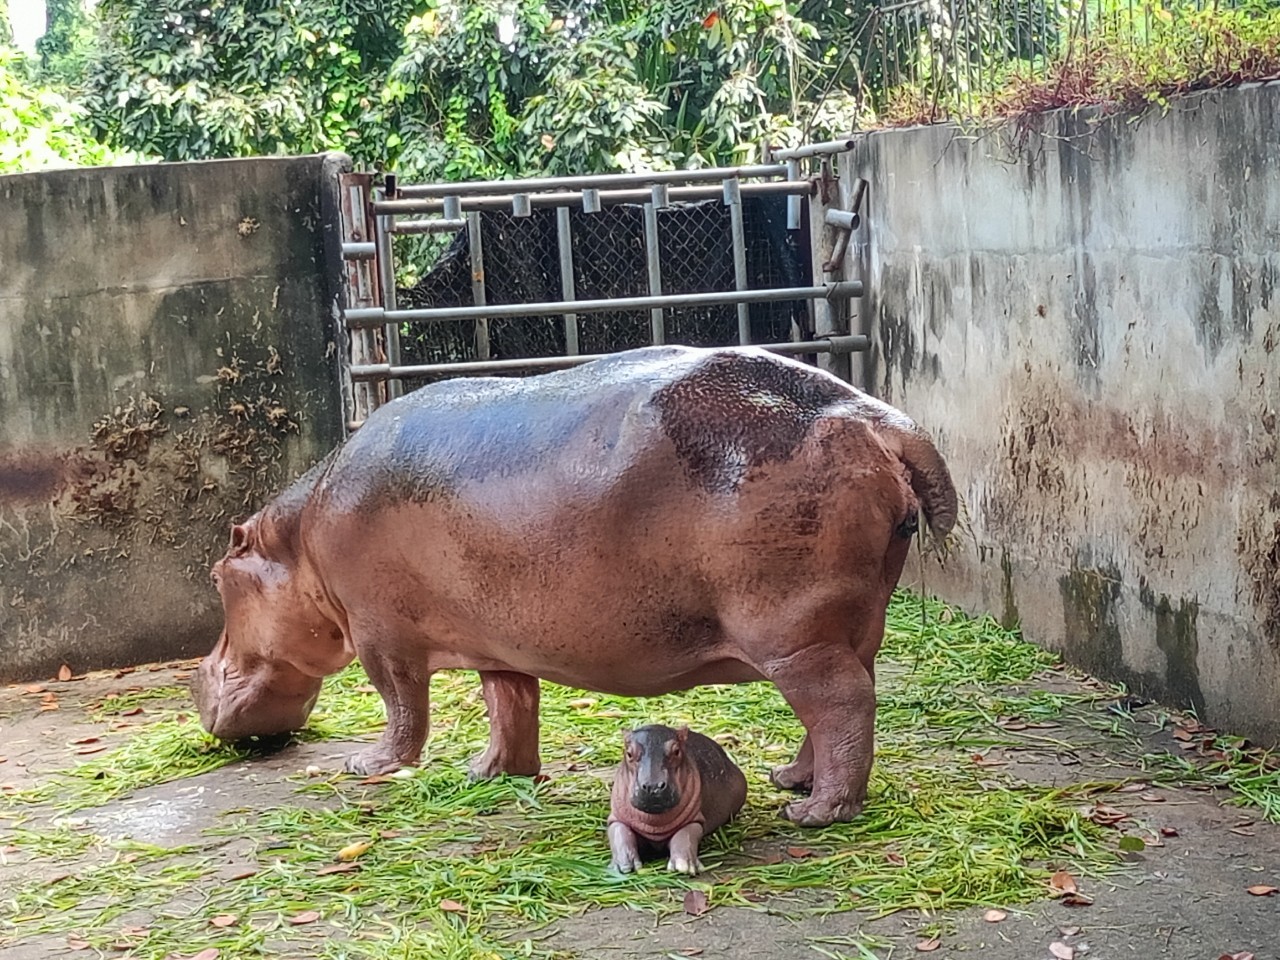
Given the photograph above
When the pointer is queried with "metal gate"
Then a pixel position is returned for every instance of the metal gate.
(556, 225)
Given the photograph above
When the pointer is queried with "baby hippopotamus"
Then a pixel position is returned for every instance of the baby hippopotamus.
(672, 788)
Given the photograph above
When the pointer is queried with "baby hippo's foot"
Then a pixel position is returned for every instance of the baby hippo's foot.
(376, 759)
(819, 812)
(626, 852)
(679, 864)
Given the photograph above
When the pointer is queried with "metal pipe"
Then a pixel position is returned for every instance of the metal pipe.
(842, 219)
(565, 241)
(599, 181)
(591, 200)
(477, 286)
(733, 199)
(375, 316)
(359, 251)
(427, 226)
(816, 149)
(793, 202)
(387, 280)
(380, 371)
(657, 322)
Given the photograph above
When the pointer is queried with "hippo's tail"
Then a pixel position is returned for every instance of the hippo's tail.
(929, 476)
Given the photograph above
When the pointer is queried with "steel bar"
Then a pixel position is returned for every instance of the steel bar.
(387, 281)
(381, 371)
(793, 201)
(653, 260)
(815, 149)
(361, 287)
(589, 198)
(565, 240)
(437, 225)
(477, 285)
(599, 181)
(733, 199)
(373, 317)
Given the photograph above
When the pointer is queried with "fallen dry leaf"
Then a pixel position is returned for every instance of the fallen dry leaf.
(1153, 798)
(131, 712)
(1242, 955)
(928, 946)
(691, 952)
(994, 916)
(1062, 951)
(35, 688)
(1242, 832)
(244, 874)
(87, 740)
(1068, 931)
(353, 850)
(3, 759)
(389, 834)
(75, 944)
(1076, 900)
(1181, 734)
(212, 953)
(452, 906)
(770, 858)
(1063, 882)
(695, 903)
(85, 751)
(896, 859)
(1133, 788)
(310, 916)
(64, 673)
(1107, 816)
(337, 868)
(223, 920)
(377, 778)
(1262, 890)
(800, 853)
(48, 706)
(1168, 832)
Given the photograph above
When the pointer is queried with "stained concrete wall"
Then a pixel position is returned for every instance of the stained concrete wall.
(167, 360)
(1085, 315)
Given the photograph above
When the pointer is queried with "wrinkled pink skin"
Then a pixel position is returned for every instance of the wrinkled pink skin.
(672, 788)
(647, 523)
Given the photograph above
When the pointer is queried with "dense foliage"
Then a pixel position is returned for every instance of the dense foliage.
(464, 88)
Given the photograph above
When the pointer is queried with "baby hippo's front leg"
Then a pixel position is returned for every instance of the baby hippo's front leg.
(625, 847)
(684, 850)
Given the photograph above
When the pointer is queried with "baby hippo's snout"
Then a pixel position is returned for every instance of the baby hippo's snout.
(672, 788)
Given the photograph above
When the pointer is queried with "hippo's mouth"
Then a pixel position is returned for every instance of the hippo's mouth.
(655, 801)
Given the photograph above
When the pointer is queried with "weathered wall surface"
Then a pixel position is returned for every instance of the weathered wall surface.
(166, 362)
(1087, 322)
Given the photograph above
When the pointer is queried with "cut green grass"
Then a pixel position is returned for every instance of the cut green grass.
(458, 869)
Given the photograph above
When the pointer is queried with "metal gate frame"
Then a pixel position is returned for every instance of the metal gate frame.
(371, 218)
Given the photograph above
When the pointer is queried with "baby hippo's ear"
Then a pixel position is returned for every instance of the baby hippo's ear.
(682, 734)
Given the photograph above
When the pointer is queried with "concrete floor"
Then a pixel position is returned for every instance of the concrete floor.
(1187, 899)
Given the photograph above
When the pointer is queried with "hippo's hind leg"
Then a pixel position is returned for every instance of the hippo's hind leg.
(512, 701)
(406, 691)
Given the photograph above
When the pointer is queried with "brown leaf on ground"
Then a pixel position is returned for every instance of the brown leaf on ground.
(994, 916)
(48, 706)
(1068, 931)
(131, 712)
(928, 946)
(695, 903)
(1063, 882)
(1077, 900)
(87, 740)
(244, 874)
(337, 868)
(691, 952)
(1242, 955)
(1153, 798)
(1262, 890)
(310, 916)
(800, 853)
(97, 748)
(64, 673)
(377, 778)
(34, 688)
(452, 906)
(1107, 816)
(1168, 832)
(212, 953)
(76, 944)
(1133, 788)
(223, 920)
(1062, 951)
(896, 859)
(389, 834)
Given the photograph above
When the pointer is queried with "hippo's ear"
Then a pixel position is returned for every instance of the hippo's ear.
(241, 540)
(682, 734)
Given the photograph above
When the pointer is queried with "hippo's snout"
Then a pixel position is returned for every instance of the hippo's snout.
(655, 797)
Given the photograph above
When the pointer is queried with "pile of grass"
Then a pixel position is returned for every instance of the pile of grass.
(456, 869)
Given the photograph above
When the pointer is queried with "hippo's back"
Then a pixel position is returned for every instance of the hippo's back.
(724, 412)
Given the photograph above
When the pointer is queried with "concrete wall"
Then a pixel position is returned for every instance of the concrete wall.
(166, 362)
(1086, 318)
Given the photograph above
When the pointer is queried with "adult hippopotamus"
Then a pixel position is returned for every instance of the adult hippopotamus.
(647, 522)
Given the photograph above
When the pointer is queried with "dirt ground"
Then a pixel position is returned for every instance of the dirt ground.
(1186, 899)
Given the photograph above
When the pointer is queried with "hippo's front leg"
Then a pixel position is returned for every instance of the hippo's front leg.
(683, 850)
(512, 701)
(406, 691)
(834, 696)
(797, 775)
(625, 848)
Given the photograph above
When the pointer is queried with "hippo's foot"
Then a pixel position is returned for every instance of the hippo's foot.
(374, 760)
(493, 763)
(793, 776)
(678, 864)
(816, 812)
(625, 849)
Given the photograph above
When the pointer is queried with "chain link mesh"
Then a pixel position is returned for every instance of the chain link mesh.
(522, 265)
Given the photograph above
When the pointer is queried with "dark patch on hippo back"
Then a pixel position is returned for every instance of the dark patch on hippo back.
(734, 412)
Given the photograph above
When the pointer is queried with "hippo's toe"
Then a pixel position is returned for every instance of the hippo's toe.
(373, 760)
(678, 864)
(815, 812)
